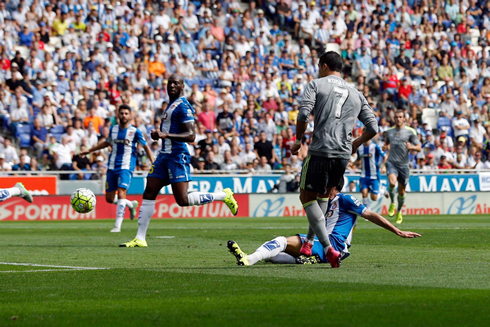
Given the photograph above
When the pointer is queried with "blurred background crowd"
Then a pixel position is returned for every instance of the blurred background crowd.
(65, 66)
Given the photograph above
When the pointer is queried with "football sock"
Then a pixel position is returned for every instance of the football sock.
(14, 191)
(392, 194)
(316, 219)
(310, 237)
(381, 192)
(401, 202)
(282, 258)
(116, 198)
(147, 210)
(128, 203)
(323, 203)
(200, 198)
(120, 213)
(366, 202)
(268, 250)
(8, 193)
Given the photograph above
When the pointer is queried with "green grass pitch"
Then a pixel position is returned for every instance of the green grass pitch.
(187, 277)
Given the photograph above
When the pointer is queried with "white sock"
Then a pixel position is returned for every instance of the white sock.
(14, 191)
(147, 210)
(116, 198)
(366, 202)
(382, 191)
(128, 203)
(268, 250)
(7, 193)
(200, 198)
(120, 213)
(282, 258)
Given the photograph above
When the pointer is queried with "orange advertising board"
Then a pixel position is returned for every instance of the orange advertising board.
(46, 185)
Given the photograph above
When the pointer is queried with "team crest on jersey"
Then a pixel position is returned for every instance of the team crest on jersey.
(334, 206)
(130, 134)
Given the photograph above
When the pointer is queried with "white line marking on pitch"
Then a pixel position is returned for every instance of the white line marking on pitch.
(38, 270)
(49, 266)
(164, 236)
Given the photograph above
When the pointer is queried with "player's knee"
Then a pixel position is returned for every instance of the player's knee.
(182, 201)
(149, 194)
(374, 197)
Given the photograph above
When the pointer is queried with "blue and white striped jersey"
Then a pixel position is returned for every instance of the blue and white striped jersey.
(341, 219)
(177, 113)
(371, 156)
(123, 154)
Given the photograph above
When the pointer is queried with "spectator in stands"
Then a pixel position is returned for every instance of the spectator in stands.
(477, 134)
(22, 165)
(4, 166)
(210, 164)
(39, 137)
(18, 110)
(81, 163)
(11, 156)
(62, 155)
(263, 167)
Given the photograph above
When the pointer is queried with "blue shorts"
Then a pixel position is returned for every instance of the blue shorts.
(371, 184)
(319, 250)
(171, 169)
(118, 179)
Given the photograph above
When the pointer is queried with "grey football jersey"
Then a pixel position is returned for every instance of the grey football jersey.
(335, 106)
(397, 139)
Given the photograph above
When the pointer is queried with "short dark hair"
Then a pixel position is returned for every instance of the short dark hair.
(399, 111)
(333, 60)
(125, 106)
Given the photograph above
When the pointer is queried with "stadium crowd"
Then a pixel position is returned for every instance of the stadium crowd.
(66, 65)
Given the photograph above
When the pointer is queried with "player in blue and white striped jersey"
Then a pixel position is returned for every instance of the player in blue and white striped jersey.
(172, 166)
(371, 156)
(123, 139)
(341, 220)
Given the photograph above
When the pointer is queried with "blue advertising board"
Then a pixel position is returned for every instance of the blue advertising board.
(263, 183)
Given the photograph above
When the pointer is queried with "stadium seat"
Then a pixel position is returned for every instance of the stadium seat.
(24, 51)
(23, 134)
(57, 129)
(55, 41)
(121, 70)
(49, 48)
(25, 140)
(63, 52)
(430, 115)
(333, 47)
(477, 49)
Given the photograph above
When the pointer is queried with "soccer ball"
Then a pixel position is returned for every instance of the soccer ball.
(83, 200)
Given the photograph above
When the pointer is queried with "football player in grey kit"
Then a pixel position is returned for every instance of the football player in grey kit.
(335, 105)
(400, 139)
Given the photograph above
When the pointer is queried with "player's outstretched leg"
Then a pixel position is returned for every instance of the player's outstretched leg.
(200, 198)
(147, 210)
(18, 190)
(266, 251)
(240, 256)
(401, 202)
(133, 208)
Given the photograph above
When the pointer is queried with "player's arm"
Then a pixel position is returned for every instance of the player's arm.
(367, 117)
(305, 109)
(382, 222)
(414, 143)
(149, 153)
(99, 146)
(188, 134)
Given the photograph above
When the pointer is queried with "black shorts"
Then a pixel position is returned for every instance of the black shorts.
(320, 173)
